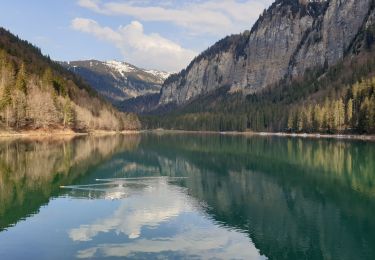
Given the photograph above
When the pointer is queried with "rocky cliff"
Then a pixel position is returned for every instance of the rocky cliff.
(289, 38)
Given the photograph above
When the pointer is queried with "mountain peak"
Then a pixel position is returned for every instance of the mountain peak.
(121, 67)
(118, 80)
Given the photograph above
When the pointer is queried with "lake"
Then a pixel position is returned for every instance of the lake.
(173, 196)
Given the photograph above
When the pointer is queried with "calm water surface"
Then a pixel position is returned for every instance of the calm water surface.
(187, 196)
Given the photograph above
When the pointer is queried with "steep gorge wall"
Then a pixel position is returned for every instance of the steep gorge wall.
(290, 37)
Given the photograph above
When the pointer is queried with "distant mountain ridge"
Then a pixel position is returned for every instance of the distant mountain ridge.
(118, 81)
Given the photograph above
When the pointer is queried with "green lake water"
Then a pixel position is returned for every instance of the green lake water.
(181, 196)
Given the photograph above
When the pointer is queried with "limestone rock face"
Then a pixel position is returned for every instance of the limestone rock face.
(290, 37)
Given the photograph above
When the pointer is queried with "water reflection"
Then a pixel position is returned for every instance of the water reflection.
(147, 206)
(192, 243)
(295, 198)
(190, 196)
(31, 172)
(107, 191)
(147, 209)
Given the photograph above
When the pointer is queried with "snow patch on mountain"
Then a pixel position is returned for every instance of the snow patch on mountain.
(161, 74)
(118, 80)
(121, 67)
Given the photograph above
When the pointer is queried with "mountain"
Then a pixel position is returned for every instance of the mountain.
(289, 38)
(118, 81)
(37, 93)
(298, 55)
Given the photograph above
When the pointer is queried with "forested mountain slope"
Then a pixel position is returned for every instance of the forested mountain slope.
(339, 100)
(306, 66)
(36, 92)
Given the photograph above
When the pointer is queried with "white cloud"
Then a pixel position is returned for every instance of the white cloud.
(217, 17)
(90, 4)
(145, 50)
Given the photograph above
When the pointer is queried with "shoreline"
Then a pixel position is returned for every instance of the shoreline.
(323, 136)
(278, 134)
(45, 133)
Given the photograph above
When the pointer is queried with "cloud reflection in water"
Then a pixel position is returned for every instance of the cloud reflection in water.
(158, 203)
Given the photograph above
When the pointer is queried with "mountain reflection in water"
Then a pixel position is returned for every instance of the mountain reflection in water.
(187, 196)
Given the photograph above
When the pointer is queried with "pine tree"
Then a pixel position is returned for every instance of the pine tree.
(372, 114)
(21, 79)
(19, 107)
(339, 114)
(291, 121)
(47, 79)
(326, 115)
(364, 116)
(349, 113)
(68, 111)
(300, 121)
(8, 78)
(308, 118)
(6, 98)
(317, 118)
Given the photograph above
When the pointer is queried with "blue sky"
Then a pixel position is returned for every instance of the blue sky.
(162, 35)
